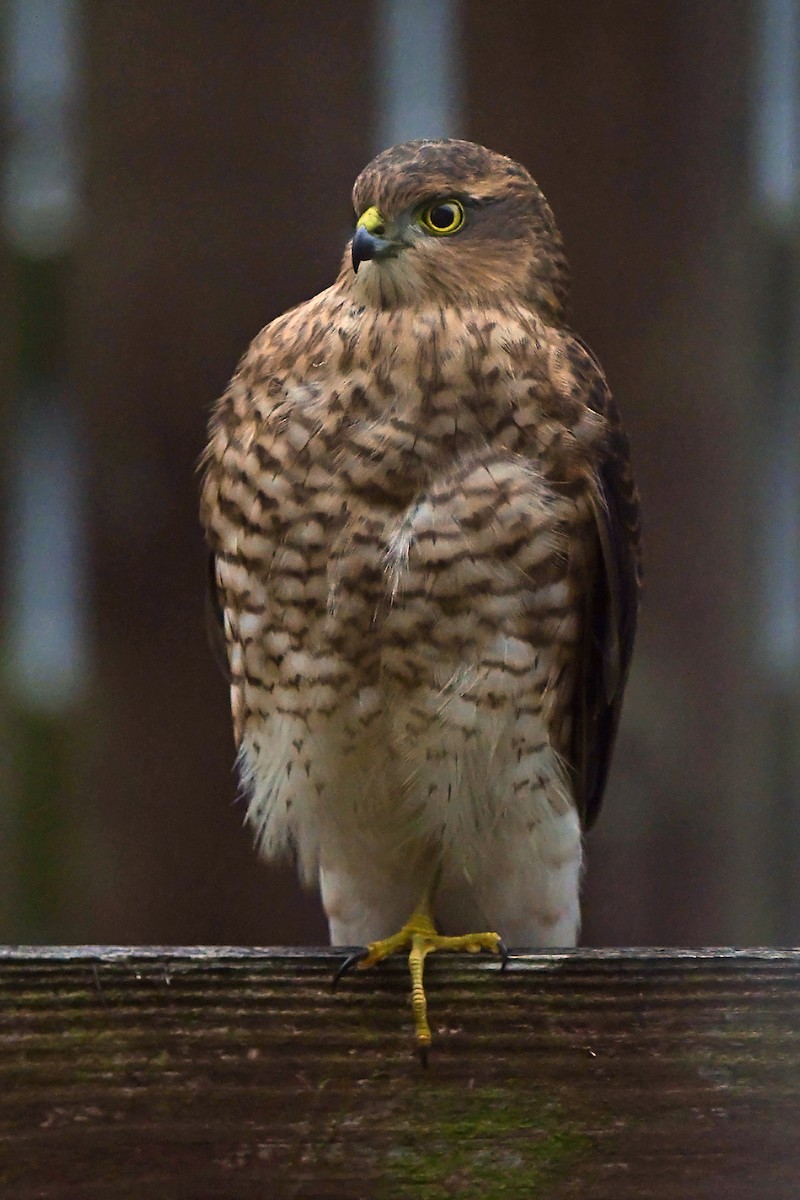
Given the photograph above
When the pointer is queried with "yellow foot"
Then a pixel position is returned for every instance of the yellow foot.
(419, 936)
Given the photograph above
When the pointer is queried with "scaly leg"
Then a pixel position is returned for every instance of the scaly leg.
(420, 937)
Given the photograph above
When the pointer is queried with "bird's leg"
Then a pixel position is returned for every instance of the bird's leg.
(420, 937)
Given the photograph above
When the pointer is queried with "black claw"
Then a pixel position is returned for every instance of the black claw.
(348, 965)
(423, 1055)
(505, 956)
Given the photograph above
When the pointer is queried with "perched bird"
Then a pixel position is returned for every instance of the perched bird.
(424, 531)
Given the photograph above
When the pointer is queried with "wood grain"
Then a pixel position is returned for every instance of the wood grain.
(216, 1072)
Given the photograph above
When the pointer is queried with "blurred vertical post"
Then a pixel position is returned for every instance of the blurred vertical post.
(775, 156)
(43, 650)
(221, 143)
(7, 386)
(418, 71)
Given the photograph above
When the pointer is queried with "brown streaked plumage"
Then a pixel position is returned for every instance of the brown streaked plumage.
(425, 530)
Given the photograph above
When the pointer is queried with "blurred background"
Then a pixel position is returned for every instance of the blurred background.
(174, 176)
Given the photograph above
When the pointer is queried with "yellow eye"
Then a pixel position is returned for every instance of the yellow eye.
(446, 216)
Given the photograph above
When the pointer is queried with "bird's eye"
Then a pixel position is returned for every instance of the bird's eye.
(446, 216)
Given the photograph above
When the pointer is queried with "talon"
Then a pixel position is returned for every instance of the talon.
(351, 961)
(419, 937)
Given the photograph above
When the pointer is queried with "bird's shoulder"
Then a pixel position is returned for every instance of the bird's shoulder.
(613, 460)
(276, 373)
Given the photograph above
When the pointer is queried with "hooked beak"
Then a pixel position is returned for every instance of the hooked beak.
(365, 246)
(368, 239)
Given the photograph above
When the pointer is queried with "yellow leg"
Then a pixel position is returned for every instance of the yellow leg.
(419, 936)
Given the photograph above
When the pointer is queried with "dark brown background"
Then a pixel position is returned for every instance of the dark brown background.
(218, 146)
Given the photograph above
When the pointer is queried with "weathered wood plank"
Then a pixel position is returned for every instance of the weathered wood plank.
(217, 1072)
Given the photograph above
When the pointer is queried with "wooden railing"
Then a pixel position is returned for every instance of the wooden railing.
(215, 1072)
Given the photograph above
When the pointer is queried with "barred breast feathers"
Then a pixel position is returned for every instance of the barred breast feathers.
(397, 541)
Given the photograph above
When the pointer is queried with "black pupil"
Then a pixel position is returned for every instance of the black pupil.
(443, 216)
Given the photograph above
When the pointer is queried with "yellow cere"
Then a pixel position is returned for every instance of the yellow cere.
(371, 220)
(443, 217)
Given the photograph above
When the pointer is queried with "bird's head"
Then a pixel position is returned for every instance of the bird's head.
(451, 220)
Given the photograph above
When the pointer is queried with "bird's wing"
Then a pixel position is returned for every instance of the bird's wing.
(611, 605)
(230, 418)
(214, 613)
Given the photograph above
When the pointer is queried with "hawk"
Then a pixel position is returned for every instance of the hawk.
(425, 545)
